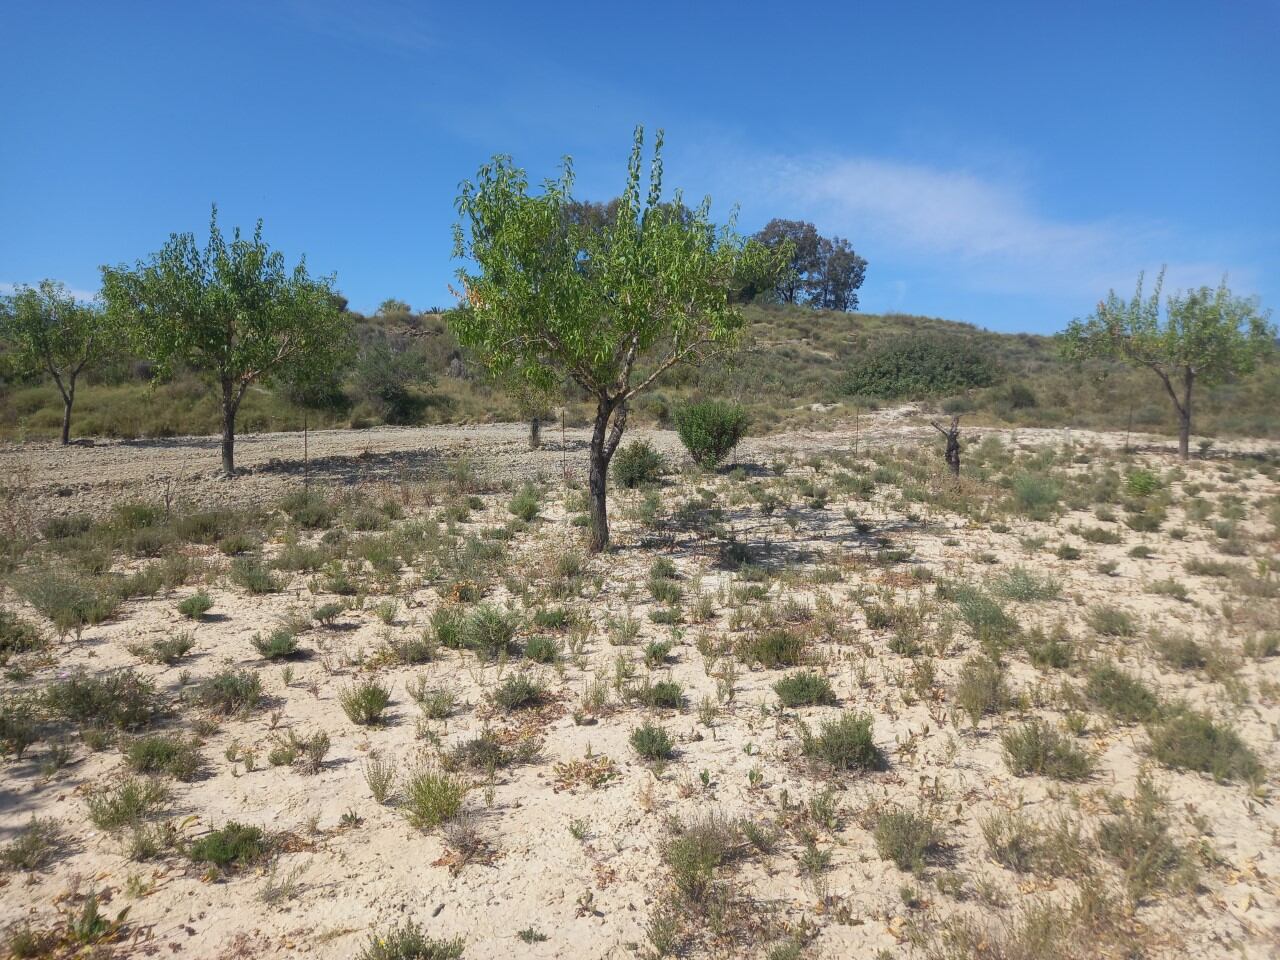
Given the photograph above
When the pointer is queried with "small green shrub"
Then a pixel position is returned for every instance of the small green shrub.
(1142, 482)
(1021, 584)
(652, 742)
(128, 804)
(235, 844)
(665, 694)
(542, 649)
(526, 503)
(1111, 621)
(984, 615)
(308, 510)
(846, 743)
(365, 702)
(1140, 841)
(35, 845)
(636, 465)
(1189, 739)
(1036, 495)
(804, 689)
(432, 797)
(253, 575)
(409, 942)
(710, 429)
(229, 692)
(17, 636)
(696, 850)
(304, 753)
(196, 606)
(120, 699)
(1120, 694)
(167, 650)
(70, 603)
(1037, 748)
(905, 838)
(774, 647)
(981, 690)
(518, 692)
(277, 645)
(488, 631)
(165, 753)
(920, 365)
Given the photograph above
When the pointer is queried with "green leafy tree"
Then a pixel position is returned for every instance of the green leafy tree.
(49, 331)
(798, 240)
(232, 312)
(1206, 336)
(609, 302)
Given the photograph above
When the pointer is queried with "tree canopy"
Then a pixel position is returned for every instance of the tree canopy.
(822, 272)
(53, 333)
(609, 299)
(232, 311)
(1205, 336)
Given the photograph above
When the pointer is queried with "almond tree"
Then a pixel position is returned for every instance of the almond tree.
(610, 305)
(1207, 336)
(49, 331)
(231, 312)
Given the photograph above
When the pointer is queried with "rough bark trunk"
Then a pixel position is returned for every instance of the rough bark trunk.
(228, 430)
(604, 441)
(66, 418)
(596, 481)
(1184, 417)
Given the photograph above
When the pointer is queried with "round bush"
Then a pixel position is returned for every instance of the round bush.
(710, 429)
(637, 464)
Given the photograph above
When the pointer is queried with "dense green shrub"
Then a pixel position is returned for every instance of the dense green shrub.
(1037, 748)
(652, 742)
(804, 689)
(196, 606)
(709, 429)
(121, 699)
(229, 692)
(235, 843)
(164, 753)
(277, 645)
(844, 744)
(906, 838)
(1192, 740)
(919, 365)
(637, 464)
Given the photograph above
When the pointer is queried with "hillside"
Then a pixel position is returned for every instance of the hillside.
(791, 371)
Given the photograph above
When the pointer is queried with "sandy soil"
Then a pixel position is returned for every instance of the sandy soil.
(591, 890)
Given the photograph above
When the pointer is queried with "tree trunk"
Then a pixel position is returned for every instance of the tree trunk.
(1184, 418)
(597, 478)
(228, 430)
(604, 441)
(66, 418)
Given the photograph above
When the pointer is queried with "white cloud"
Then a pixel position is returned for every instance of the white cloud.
(379, 23)
(983, 233)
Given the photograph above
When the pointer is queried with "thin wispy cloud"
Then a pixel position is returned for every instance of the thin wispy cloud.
(979, 231)
(386, 24)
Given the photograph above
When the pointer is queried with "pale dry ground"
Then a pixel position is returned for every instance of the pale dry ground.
(592, 897)
(90, 475)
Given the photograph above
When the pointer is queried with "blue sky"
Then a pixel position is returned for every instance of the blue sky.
(1002, 164)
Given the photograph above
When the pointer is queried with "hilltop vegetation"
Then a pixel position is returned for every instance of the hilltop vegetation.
(793, 357)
